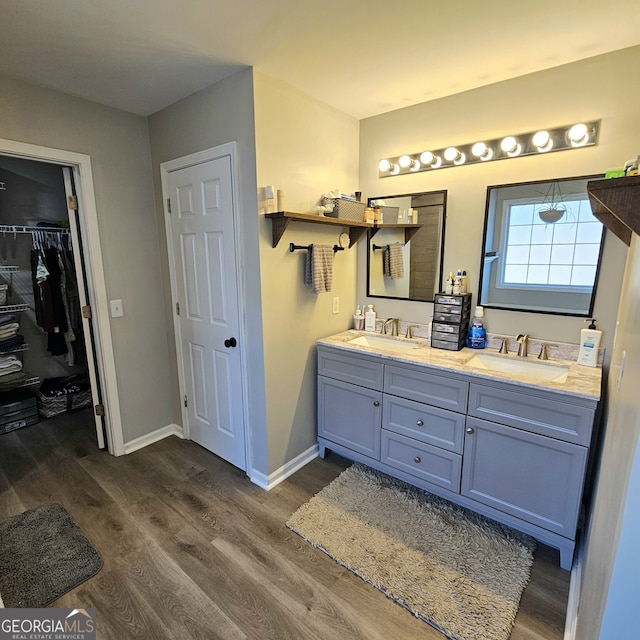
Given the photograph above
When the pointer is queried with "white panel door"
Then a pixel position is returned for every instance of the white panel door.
(203, 242)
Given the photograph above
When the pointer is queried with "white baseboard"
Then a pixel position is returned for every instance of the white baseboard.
(574, 595)
(268, 482)
(154, 436)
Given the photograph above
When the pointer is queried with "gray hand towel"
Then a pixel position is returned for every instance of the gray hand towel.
(319, 268)
(392, 261)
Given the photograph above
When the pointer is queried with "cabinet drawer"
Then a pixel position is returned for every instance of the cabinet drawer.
(529, 476)
(353, 369)
(438, 427)
(538, 414)
(422, 386)
(428, 463)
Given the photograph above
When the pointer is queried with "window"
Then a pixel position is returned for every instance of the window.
(562, 254)
(542, 248)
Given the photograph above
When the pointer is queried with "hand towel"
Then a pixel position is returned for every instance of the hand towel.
(319, 268)
(9, 330)
(392, 262)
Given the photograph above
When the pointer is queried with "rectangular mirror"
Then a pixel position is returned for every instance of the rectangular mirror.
(421, 244)
(542, 248)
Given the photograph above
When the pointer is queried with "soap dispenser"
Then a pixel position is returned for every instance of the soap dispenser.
(589, 343)
(370, 319)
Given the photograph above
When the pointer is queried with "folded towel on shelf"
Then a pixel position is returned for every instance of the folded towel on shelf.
(12, 380)
(9, 330)
(6, 318)
(319, 268)
(392, 262)
(9, 344)
(9, 364)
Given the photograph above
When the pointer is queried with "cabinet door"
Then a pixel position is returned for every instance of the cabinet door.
(350, 416)
(532, 477)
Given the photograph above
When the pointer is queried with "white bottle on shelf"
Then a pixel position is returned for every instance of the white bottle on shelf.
(589, 343)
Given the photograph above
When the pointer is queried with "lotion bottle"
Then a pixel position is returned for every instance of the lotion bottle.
(589, 343)
(370, 319)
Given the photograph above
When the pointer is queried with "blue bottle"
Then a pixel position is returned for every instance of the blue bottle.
(477, 336)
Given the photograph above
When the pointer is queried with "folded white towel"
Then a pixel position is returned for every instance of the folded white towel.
(9, 330)
(319, 268)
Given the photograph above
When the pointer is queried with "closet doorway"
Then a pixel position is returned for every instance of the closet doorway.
(45, 267)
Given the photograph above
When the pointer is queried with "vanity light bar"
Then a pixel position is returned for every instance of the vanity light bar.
(574, 136)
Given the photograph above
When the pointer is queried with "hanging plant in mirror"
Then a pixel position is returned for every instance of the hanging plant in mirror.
(552, 209)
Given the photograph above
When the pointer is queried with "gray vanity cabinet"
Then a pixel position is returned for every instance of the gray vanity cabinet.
(350, 402)
(511, 453)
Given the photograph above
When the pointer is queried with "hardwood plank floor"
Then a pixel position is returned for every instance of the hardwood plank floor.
(192, 549)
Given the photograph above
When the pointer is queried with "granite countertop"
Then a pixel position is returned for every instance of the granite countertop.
(581, 381)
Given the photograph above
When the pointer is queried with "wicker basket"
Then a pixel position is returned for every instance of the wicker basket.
(346, 209)
(66, 403)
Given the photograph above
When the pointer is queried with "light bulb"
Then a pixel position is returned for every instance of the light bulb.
(542, 141)
(510, 146)
(405, 162)
(578, 135)
(430, 159)
(480, 150)
(451, 154)
(415, 165)
(394, 169)
(384, 165)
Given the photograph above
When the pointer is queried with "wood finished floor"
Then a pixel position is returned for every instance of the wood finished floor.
(192, 549)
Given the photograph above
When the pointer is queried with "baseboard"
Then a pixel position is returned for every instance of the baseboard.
(574, 595)
(154, 436)
(268, 482)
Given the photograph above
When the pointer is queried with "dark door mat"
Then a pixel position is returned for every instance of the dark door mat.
(43, 555)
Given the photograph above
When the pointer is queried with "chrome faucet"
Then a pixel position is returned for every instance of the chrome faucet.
(522, 347)
(410, 328)
(394, 326)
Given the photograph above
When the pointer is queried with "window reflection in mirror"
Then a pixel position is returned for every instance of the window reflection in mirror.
(421, 244)
(542, 248)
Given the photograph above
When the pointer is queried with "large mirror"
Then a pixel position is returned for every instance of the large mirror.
(416, 245)
(541, 248)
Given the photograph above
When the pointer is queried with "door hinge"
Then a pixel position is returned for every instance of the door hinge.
(86, 312)
(186, 404)
(169, 205)
(177, 308)
(72, 202)
(99, 409)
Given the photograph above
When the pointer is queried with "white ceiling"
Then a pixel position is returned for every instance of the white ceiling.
(364, 57)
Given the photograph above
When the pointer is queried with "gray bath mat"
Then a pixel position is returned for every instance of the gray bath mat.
(43, 555)
(460, 572)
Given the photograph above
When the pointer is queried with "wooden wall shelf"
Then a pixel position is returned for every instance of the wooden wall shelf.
(616, 203)
(281, 219)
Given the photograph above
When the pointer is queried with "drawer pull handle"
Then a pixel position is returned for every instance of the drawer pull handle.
(376, 403)
(420, 423)
(417, 459)
(470, 430)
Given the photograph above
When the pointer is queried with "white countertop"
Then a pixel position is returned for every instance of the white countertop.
(583, 382)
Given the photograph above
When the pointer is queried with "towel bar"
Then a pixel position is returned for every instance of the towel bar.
(309, 247)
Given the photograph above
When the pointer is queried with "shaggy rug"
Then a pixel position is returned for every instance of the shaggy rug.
(458, 571)
(43, 555)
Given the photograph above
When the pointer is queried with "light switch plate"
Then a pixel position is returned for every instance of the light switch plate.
(116, 308)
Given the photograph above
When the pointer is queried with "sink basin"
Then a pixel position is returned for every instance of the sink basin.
(388, 343)
(533, 369)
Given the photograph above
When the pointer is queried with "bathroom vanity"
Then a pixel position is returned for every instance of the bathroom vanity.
(509, 446)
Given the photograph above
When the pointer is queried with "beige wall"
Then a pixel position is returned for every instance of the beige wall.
(219, 114)
(306, 148)
(119, 148)
(587, 90)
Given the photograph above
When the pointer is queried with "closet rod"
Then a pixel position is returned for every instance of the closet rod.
(294, 247)
(15, 228)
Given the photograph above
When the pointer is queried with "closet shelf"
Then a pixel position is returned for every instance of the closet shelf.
(10, 308)
(6, 268)
(281, 219)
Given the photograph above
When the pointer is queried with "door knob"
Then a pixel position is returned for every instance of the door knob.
(376, 403)
(470, 430)
(420, 423)
(230, 342)
(417, 459)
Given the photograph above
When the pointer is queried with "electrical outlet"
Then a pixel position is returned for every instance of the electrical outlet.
(336, 305)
